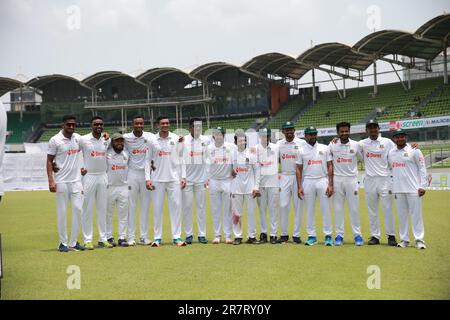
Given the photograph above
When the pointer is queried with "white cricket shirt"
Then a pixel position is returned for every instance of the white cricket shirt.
(219, 160)
(247, 172)
(117, 167)
(166, 154)
(194, 154)
(137, 148)
(345, 158)
(408, 169)
(288, 154)
(67, 154)
(375, 153)
(268, 162)
(94, 153)
(314, 160)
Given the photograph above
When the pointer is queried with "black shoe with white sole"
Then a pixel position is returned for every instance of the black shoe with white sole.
(373, 241)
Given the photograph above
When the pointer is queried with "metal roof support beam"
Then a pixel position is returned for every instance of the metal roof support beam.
(337, 89)
(375, 85)
(399, 78)
(313, 86)
(339, 74)
(445, 66)
(343, 87)
(405, 64)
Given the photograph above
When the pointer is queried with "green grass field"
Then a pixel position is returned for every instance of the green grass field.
(33, 269)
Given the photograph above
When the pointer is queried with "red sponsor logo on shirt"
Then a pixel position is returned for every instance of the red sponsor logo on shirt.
(114, 168)
(138, 151)
(71, 152)
(344, 160)
(266, 163)
(399, 165)
(195, 154)
(242, 169)
(314, 162)
(97, 154)
(286, 156)
(373, 155)
(164, 153)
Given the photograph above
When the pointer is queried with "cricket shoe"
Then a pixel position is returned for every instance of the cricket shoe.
(63, 248)
(391, 241)
(156, 243)
(420, 245)
(144, 242)
(202, 240)
(328, 241)
(179, 243)
(216, 240)
(189, 239)
(283, 239)
(237, 241)
(338, 240)
(77, 247)
(373, 241)
(311, 241)
(251, 240)
(403, 244)
(111, 241)
(89, 246)
(131, 243)
(296, 240)
(123, 243)
(104, 245)
(228, 241)
(359, 241)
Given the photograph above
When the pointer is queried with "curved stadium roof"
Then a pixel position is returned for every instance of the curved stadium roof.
(427, 42)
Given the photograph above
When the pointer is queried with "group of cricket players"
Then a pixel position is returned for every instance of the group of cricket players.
(128, 172)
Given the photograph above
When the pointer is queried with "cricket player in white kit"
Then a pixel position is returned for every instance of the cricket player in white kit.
(95, 181)
(378, 182)
(136, 145)
(220, 174)
(289, 148)
(315, 181)
(168, 176)
(345, 153)
(267, 156)
(244, 189)
(194, 153)
(3, 126)
(64, 149)
(117, 162)
(410, 179)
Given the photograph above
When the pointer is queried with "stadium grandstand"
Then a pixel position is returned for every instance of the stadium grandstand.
(263, 92)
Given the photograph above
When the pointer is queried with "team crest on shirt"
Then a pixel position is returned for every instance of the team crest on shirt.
(203, 144)
(172, 143)
(145, 140)
(105, 144)
(247, 160)
(125, 158)
(296, 147)
(381, 146)
(405, 154)
(321, 153)
(352, 151)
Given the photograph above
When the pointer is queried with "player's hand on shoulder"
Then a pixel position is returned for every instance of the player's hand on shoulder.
(106, 135)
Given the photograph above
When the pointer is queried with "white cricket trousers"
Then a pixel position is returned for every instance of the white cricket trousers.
(410, 204)
(173, 190)
(199, 191)
(94, 192)
(237, 202)
(220, 196)
(270, 198)
(69, 193)
(117, 198)
(137, 189)
(346, 188)
(288, 185)
(316, 189)
(379, 188)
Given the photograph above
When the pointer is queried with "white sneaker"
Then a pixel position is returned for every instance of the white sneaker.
(420, 244)
(228, 241)
(144, 242)
(216, 240)
(132, 243)
(403, 244)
